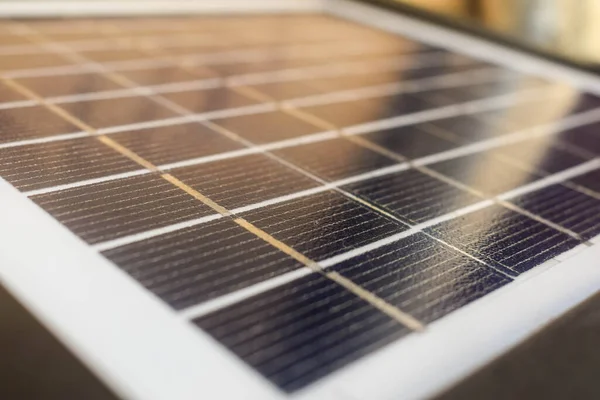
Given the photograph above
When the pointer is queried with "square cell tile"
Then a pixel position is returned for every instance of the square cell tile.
(412, 196)
(12, 62)
(566, 207)
(167, 74)
(412, 141)
(335, 159)
(109, 210)
(115, 54)
(422, 277)
(323, 225)
(465, 128)
(31, 123)
(287, 90)
(8, 94)
(590, 181)
(268, 127)
(196, 264)
(585, 137)
(357, 112)
(302, 331)
(115, 112)
(543, 155)
(45, 165)
(241, 181)
(65, 85)
(207, 100)
(504, 239)
(173, 143)
(485, 172)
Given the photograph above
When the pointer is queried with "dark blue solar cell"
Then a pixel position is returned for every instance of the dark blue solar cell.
(422, 277)
(503, 238)
(544, 155)
(585, 137)
(566, 207)
(485, 172)
(356, 112)
(197, 264)
(323, 225)
(590, 181)
(411, 141)
(299, 332)
(465, 128)
(335, 159)
(412, 196)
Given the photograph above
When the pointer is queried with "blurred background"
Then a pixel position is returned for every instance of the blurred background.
(565, 28)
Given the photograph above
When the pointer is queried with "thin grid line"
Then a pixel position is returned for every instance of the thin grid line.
(400, 316)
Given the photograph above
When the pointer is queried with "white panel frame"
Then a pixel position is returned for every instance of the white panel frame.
(142, 350)
(83, 8)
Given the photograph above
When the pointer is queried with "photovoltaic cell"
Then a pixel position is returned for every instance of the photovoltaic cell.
(526, 116)
(590, 181)
(586, 138)
(412, 196)
(174, 143)
(30, 123)
(412, 141)
(358, 112)
(205, 100)
(357, 81)
(335, 159)
(422, 277)
(12, 62)
(302, 330)
(112, 112)
(544, 155)
(464, 128)
(568, 208)
(287, 90)
(197, 264)
(8, 95)
(485, 172)
(323, 225)
(167, 74)
(108, 210)
(44, 165)
(64, 85)
(235, 183)
(115, 54)
(249, 67)
(504, 239)
(267, 127)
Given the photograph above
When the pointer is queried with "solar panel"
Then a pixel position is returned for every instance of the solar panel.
(305, 199)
